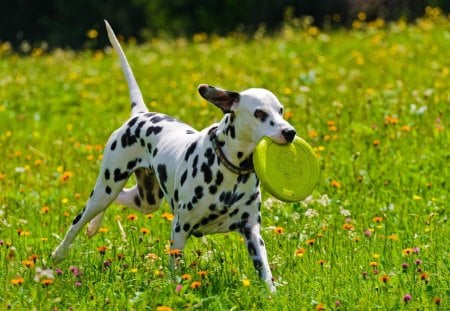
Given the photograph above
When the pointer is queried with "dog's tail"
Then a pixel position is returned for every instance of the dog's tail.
(137, 102)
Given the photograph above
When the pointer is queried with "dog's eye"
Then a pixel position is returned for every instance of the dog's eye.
(260, 114)
(281, 111)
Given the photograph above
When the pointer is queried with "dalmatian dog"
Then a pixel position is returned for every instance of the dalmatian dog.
(206, 176)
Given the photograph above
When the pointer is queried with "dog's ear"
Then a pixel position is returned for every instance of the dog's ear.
(225, 100)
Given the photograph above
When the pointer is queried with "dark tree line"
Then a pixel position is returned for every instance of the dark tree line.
(62, 23)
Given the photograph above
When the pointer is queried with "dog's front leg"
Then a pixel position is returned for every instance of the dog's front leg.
(257, 250)
(177, 243)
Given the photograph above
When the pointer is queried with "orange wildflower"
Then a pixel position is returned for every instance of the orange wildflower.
(18, 281)
(168, 216)
(28, 263)
(347, 226)
(202, 273)
(186, 277)
(132, 217)
(310, 242)
(66, 176)
(144, 230)
(47, 282)
(377, 219)
(278, 230)
(102, 249)
(45, 210)
(174, 252)
(299, 252)
(384, 278)
(195, 284)
(335, 184)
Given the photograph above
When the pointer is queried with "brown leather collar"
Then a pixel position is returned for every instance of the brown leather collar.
(223, 159)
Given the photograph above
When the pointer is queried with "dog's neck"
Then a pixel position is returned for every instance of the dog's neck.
(234, 143)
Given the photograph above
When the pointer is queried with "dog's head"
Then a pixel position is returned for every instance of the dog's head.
(257, 112)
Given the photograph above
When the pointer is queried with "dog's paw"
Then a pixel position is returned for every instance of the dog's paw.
(59, 254)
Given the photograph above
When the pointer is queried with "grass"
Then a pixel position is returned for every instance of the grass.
(373, 101)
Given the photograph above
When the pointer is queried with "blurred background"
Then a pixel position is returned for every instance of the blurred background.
(79, 24)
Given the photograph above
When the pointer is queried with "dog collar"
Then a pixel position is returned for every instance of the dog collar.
(223, 159)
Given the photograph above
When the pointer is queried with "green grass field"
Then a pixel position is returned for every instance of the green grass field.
(373, 101)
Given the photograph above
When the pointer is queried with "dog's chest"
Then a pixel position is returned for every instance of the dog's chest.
(211, 199)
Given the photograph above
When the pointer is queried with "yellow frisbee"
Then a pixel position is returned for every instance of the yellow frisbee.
(289, 172)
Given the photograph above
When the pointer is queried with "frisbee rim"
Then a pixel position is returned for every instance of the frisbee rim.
(297, 188)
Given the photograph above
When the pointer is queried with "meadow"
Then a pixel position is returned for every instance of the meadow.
(373, 101)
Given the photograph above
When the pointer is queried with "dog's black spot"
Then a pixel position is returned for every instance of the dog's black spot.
(233, 226)
(261, 115)
(190, 206)
(107, 174)
(149, 147)
(161, 117)
(234, 212)
(247, 162)
(153, 130)
(251, 248)
(150, 198)
(128, 139)
(186, 227)
(209, 154)
(259, 219)
(118, 175)
(212, 189)
(155, 152)
(183, 178)
(162, 173)
(261, 242)
(160, 193)
(212, 207)
(137, 200)
(194, 167)
(213, 217)
(231, 131)
(141, 191)
(190, 150)
(91, 194)
(78, 217)
(245, 215)
(252, 198)
(272, 123)
(229, 198)
(198, 192)
(178, 228)
(195, 227)
(204, 221)
(247, 232)
(132, 122)
(142, 142)
(258, 264)
(108, 190)
(113, 145)
(243, 178)
(131, 164)
(175, 195)
(207, 173)
(197, 234)
(240, 154)
(224, 210)
(133, 104)
(219, 178)
(137, 132)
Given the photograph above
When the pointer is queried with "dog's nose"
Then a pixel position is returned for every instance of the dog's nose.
(288, 135)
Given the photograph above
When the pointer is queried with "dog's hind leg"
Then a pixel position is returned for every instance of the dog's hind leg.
(146, 196)
(101, 197)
